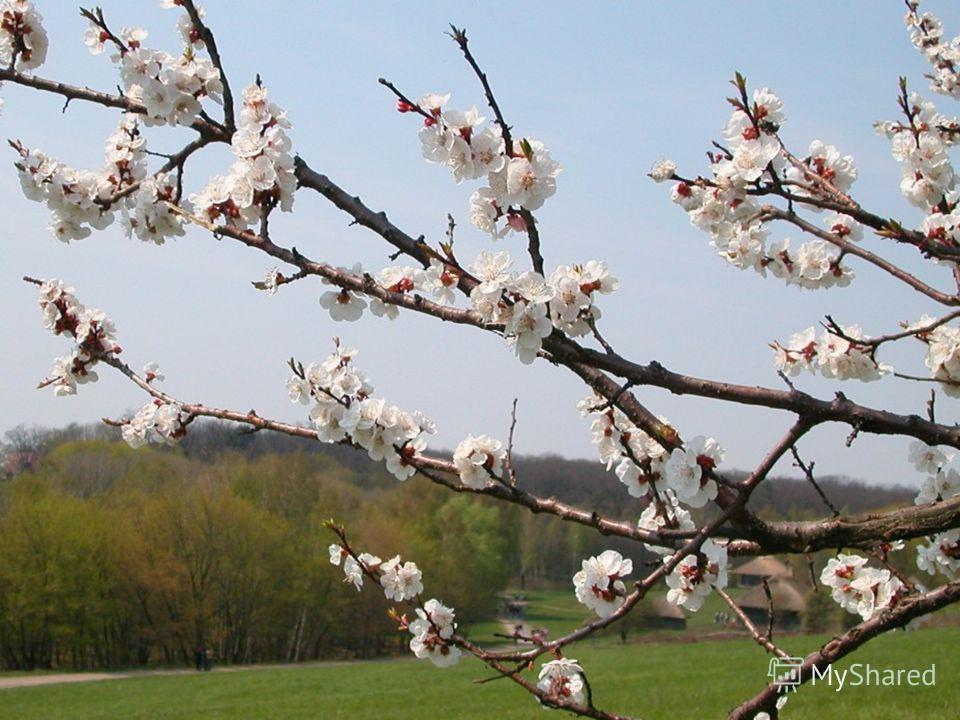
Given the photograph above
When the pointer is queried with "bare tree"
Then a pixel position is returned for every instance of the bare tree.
(22, 448)
(755, 181)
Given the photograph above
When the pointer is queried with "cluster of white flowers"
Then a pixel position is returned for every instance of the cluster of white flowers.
(723, 208)
(432, 630)
(477, 459)
(825, 163)
(561, 681)
(93, 332)
(79, 200)
(529, 306)
(400, 580)
(438, 279)
(82, 200)
(344, 410)
(941, 482)
(921, 146)
(692, 578)
(262, 176)
(733, 221)
(942, 228)
(926, 34)
(147, 216)
(22, 37)
(687, 471)
(751, 137)
(941, 554)
(158, 422)
(943, 353)
(526, 304)
(641, 462)
(638, 457)
(170, 88)
(858, 588)
(572, 308)
(668, 514)
(521, 177)
(832, 355)
(598, 584)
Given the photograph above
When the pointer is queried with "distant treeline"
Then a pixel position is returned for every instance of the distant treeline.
(114, 557)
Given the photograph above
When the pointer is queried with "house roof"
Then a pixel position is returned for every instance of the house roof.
(764, 566)
(785, 594)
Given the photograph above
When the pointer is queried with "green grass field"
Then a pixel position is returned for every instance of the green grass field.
(674, 681)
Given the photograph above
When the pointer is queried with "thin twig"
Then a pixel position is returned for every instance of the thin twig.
(508, 459)
(808, 474)
(210, 42)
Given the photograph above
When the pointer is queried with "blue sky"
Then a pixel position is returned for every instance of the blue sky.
(609, 91)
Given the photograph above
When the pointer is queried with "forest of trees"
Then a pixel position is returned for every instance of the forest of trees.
(113, 557)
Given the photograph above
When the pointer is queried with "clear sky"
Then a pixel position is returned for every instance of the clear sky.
(609, 90)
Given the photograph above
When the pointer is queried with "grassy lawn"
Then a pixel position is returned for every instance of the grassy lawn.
(673, 681)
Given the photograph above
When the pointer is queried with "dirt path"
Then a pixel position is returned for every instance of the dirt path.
(22, 681)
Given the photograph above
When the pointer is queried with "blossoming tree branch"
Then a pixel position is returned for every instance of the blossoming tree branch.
(754, 186)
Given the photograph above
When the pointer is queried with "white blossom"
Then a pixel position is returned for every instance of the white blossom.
(686, 471)
(531, 178)
(927, 458)
(343, 305)
(598, 584)
(825, 162)
(432, 630)
(692, 578)
(152, 373)
(22, 36)
(561, 680)
(441, 280)
(843, 354)
(262, 177)
(353, 572)
(858, 588)
(572, 308)
(492, 270)
(940, 554)
(938, 486)
(528, 325)
(652, 519)
(663, 170)
(157, 421)
(344, 409)
(93, 333)
(943, 353)
(400, 581)
(477, 458)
